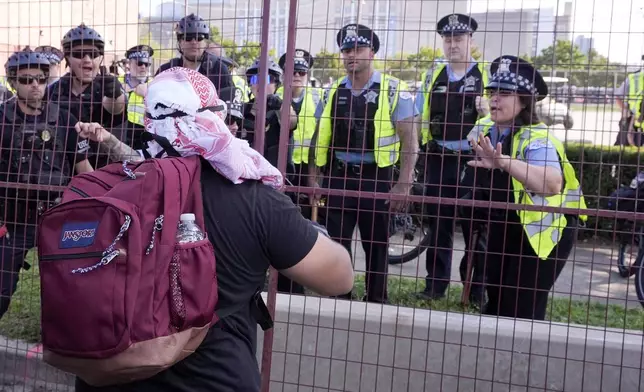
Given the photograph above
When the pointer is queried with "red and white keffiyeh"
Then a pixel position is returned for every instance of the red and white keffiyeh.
(204, 132)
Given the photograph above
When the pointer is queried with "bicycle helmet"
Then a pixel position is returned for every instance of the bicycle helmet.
(26, 58)
(192, 24)
(54, 55)
(82, 35)
(274, 70)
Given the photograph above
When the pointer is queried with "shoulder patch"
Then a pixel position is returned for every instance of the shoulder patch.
(538, 144)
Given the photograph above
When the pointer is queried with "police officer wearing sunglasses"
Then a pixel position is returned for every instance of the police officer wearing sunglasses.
(272, 123)
(193, 34)
(139, 60)
(366, 124)
(87, 91)
(39, 147)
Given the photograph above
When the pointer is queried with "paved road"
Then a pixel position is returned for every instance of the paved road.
(589, 273)
(595, 124)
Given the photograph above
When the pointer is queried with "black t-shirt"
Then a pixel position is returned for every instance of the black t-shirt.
(212, 68)
(61, 128)
(251, 226)
(88, 107)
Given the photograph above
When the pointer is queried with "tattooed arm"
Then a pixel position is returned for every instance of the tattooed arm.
(108, 143)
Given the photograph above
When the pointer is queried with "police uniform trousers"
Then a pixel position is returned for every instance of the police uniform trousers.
(14, 247)
(442, 178)
(371, 216)
(518, 282)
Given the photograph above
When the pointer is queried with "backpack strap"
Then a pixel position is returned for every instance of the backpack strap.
(163, 142)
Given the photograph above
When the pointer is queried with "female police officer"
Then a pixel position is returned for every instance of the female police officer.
(519, 161)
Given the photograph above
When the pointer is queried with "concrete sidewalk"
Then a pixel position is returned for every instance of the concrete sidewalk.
(591, 272)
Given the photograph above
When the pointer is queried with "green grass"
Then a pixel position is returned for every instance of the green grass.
(22, 321)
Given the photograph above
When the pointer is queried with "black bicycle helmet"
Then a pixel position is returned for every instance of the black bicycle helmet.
(26, 58)
(233, 98)
(273, 70)
(82, 35)
(192, 24)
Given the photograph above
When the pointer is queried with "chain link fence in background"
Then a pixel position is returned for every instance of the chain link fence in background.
(591, 339)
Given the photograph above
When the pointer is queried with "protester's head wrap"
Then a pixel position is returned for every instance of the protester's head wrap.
(183, 107)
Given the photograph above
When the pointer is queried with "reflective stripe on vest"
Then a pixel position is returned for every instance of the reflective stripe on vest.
(543, 229)
(305, 124)
(634, 98)
(135, 105)
(426, 87)
(387, 141)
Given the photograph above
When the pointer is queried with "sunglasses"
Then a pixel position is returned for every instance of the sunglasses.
(80, 54)
(142, 63)
(192, 37)
(29, 79)
(253, 80)
(300, 73)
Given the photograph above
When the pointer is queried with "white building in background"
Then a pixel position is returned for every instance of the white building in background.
(585, 44)
(402, 26)
(38, 22)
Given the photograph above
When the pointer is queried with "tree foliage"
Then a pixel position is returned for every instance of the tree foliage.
(244, 54)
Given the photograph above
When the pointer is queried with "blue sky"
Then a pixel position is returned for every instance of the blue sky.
(617, 26)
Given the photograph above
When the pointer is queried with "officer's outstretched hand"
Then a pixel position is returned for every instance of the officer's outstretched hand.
(111, 86)
(92, 131)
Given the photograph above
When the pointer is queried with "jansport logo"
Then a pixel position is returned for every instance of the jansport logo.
(78, 234)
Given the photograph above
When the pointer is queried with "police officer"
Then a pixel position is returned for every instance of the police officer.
(38, 146)
(87, 91)
(192, 35)
(135, 82)
(365, 120)
(273, 116)
(450, 101)
(216, 50)
(55, 57)
(519, 161)
(305, 100)
(628, 97)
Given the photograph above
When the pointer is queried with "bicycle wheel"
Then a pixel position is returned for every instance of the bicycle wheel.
(408, 241)
(638, 270)
(625, 259)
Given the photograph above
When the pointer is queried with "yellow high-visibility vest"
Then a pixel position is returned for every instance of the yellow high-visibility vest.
(427, 85)
(305, 124)
(135, 104)
(543, 229)
(387, 141)
(634, 98)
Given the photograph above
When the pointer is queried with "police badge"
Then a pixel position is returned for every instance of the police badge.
(352, 31)
(453, 20)
(504, 66)
(45, 136)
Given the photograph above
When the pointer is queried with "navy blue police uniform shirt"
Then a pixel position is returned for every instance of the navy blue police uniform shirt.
(251, 227)
(213, 68)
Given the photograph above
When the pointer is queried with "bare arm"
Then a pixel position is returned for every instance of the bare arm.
(327, 269)
(407, 131)
(543, 180)
(83, 167)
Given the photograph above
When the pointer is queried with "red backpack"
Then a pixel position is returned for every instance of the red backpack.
(121, 301)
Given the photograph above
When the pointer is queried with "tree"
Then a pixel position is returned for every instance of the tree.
(424, 59)
(244, 54)
(327, 65)
(476, 53)
(160, 53)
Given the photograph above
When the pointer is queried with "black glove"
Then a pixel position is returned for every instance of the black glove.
(111, 86)
(273, 102)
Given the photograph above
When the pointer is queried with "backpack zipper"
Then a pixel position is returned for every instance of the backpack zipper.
(73, 256)
(79, 192)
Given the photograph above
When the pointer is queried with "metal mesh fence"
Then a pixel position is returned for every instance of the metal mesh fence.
(509, 266)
